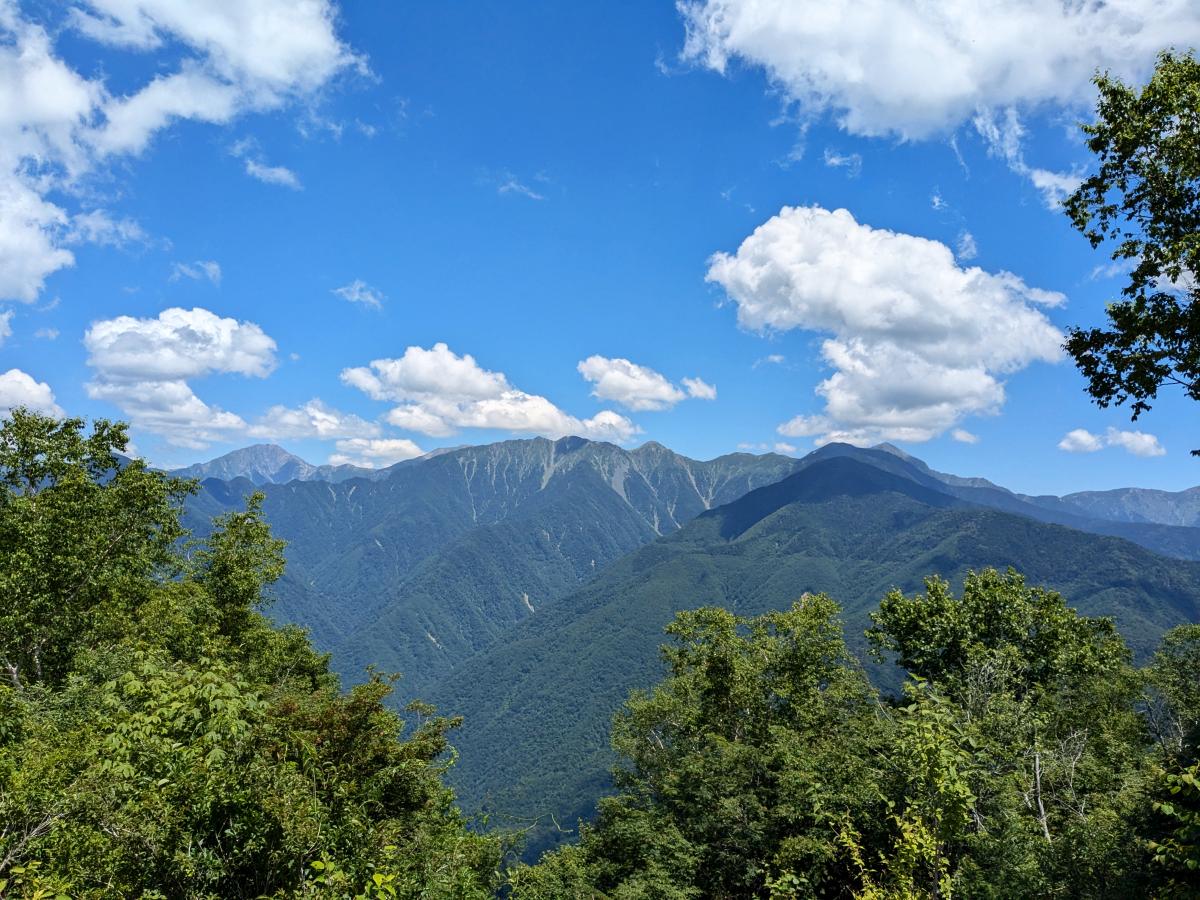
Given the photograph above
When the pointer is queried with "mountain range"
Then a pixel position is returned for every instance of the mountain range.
(525, 584)
(431, 560)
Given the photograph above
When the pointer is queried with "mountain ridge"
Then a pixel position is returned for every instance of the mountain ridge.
(831, 527)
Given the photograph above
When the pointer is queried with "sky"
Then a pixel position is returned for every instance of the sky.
(366, 230)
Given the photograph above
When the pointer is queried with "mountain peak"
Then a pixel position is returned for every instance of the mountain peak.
(261, 463)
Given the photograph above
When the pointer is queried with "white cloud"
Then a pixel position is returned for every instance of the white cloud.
(699, 389)
(966, 249)
(143, 366)
(201, 268)
(964, 437)
(851, 162)
(374, 454)
(1080, 440)
(313, 419)
(29, 251)
(784, 447)
(916, 70)
(917, 343)
(774, 359)
(5, 325)
(215, 62)
(98, 227)
(240, 57)
(634, 387)
(440, 392)
(47, 334)
(1004, 139)
(358, 291)
(177, 344)
(18, 388)
(638, 387)
(280, 175)
(1139, 443)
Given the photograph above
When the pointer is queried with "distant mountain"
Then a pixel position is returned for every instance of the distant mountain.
(1140, 505)
(417, 567)
(269, 464)
(853, 523)
(1169, 540)
(434, 559)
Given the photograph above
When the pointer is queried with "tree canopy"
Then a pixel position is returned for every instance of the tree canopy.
(1144, 202)
(159, 737)
(1019, 760)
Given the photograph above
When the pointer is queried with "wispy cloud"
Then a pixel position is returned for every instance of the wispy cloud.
(851, 162)
(358, 291)
(200, 269)
(510, 184)
(280, 175)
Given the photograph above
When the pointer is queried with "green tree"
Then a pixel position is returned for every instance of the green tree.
(82, 538)
(174, 742)
(1047, 701)
(1145, 200)
(741, 766)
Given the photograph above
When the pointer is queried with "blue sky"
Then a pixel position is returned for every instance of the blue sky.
(834, 221)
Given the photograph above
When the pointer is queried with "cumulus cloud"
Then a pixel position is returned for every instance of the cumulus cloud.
(313, 419)
(914, 70)
(202, 268)
(633, 386)
(440, 392)
(358, 291)
(1139, 443)
(699, 389)
(18, 388)
(216, 62)
(29, 247)
(143, 366)
(883, 68)
(1080, 440)
(638, 387)
(5, 325)
(966, 249)
(374, 453)
(917, 341)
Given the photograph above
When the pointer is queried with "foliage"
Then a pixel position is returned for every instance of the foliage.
(1018, 760)
(1145, 199)
(159, 737)
(1178, 851)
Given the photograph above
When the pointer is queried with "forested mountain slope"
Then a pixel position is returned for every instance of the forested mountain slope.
(415, 571)
(851, 524)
